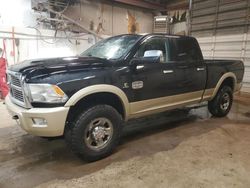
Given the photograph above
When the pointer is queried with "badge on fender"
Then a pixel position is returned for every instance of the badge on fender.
(137, 84)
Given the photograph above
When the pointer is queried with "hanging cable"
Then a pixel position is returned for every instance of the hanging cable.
(68, 38)
(65, 8)
(40, 36)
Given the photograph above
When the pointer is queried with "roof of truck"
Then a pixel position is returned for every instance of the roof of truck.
(166, 35)
(159, 34)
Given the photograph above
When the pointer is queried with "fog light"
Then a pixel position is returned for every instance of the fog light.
(39, 122)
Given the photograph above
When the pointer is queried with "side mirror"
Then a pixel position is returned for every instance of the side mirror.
(150, 56)
(153, 53)
(156, 54)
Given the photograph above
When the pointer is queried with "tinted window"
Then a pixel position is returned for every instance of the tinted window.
(186, 49)
(158, 43)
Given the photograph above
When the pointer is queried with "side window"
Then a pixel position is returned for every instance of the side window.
(152, 45)
(187, 50)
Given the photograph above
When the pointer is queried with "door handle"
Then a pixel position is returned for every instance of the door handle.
(168, 71)
(200, 69)
(138, 67)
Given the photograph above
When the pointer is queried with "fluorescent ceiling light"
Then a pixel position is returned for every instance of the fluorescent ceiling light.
(161, 19)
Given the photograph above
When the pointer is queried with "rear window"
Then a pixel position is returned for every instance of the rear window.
(186, 49)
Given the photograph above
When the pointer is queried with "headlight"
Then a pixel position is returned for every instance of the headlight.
(45, 93)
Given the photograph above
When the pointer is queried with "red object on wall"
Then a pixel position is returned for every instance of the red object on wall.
(3, 81)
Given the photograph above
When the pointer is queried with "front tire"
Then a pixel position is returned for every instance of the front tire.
(96, 132)
(222, 103)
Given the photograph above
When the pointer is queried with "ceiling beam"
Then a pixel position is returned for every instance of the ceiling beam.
(183, 5)
(143, 4)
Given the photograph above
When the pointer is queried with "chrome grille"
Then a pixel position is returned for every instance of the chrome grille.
(16, 90)
(17, 94)
(15, 81)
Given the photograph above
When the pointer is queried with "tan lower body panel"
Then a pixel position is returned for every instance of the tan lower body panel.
(208, 94)
(151, 106)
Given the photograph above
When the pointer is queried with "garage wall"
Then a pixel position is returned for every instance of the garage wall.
(222, 28)
(32, 43)
(106, 19)
(17, 13)
(111, 19)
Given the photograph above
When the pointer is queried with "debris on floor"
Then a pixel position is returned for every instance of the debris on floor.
(192, 151)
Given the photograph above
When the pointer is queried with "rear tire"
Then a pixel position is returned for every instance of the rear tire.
(222, 102)
(95, 133)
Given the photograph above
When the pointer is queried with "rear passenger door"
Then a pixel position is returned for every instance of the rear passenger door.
(189, 60)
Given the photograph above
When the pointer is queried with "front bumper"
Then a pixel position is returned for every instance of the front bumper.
(55, 119)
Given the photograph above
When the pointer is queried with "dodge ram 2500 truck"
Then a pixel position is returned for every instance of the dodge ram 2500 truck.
(88, 98)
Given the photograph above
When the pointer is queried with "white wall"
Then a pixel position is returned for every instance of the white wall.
(17, 13)
(31, 47)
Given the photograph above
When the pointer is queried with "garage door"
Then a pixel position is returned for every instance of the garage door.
(222, 28)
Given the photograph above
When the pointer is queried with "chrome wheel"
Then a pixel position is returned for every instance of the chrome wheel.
(98, 133)
(225, 102)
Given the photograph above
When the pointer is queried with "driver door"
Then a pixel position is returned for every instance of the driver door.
(154, 76)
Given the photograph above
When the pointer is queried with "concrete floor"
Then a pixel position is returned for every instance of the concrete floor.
(176, 149)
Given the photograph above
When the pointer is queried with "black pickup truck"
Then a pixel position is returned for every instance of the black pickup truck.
(88, 98)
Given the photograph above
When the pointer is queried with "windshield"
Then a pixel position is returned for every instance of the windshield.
(112, 48)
